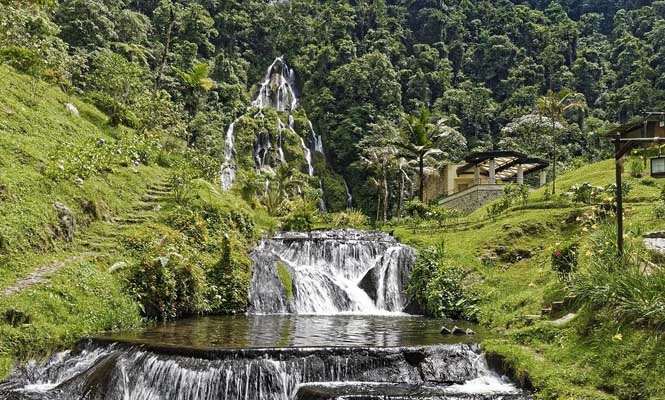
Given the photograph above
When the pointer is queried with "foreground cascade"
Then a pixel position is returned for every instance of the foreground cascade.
(340, 288)
(329, 272)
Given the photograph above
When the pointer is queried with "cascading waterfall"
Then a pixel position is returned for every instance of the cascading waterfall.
(308, 157)
(98, 370)
(331, 272)
(277, 91)
(349, 196)
(327, 272)
(277, 88)
(228, 172)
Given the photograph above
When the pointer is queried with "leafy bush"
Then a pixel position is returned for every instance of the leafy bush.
(648, 182)
(97, 156)
(437, 286)
(564, 259)
(300, 218)
(345, 219)
(636, 166)
(629, 287)
(416, 209)
(590, 194)
(168, 286)
(117, 111)
(659, 210)
(230, 277)
(512, 195)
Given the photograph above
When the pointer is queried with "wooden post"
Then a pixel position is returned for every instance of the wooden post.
(619, 193)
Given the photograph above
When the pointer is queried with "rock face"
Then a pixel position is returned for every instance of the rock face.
(99, 370)
(332, 271)
(655, 241)
(72, 109)
(67, 224)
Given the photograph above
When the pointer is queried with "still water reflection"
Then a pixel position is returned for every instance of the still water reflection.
(297, 331)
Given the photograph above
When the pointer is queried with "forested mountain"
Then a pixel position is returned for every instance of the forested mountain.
(190, 68)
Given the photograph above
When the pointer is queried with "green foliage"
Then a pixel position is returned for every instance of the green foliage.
(564, 259)
(512, 195)
(628, 287)
(168, 286)
(438, 287)
(636, 166)
(117, 111)
(88, 158)
(659, 210)
(285, 277)
(346, 219)
(300, 218)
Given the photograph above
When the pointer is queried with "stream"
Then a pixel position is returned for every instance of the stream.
(328, 320)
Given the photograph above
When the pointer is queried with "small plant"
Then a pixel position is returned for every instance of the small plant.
(438, 286)
(636, 166)
(564, 260)
(348, 218)
(648, 182)
(659, 210)
(168, 286)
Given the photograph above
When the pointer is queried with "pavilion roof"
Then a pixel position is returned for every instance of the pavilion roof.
(506, 163)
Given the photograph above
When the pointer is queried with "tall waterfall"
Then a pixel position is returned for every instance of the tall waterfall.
(228, 172)
(98, 370)
(278, 91)
(330, 272)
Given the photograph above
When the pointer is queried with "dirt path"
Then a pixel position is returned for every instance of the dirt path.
(42, 274)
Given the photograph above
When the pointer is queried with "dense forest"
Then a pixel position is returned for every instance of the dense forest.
(364, 71)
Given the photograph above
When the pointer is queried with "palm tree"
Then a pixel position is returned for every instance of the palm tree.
(198, 82)
(555, 106)
(419, 142)
(379, 160)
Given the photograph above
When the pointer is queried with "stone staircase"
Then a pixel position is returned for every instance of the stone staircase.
(144, 211)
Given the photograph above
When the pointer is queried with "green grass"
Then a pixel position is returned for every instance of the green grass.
(81, 299)
(584, 359)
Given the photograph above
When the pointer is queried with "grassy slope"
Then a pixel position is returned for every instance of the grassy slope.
(583, 359)
(82, 298)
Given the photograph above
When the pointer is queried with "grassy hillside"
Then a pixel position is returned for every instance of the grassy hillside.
(508, 262)
(130, 202)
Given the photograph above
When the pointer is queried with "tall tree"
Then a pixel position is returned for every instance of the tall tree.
(555, 106)
(419, 139)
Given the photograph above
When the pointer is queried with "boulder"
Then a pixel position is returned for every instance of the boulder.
(458, 331)
(66, 221)
(445, 331)
(368, 284)
(470, 332)
(72, 109)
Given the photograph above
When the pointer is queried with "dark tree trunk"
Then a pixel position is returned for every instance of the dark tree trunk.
(421, 172)
(167, 46)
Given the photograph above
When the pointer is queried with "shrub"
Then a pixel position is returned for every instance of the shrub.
(437, 286)
(648, 182)
(168, 286)
(344, 219)
(416, 209)
(299, 220)
(230, 277)
(636, 166)
(117, 112)
(512, 195)
(564, 260)
(659, 210)
(628, 287)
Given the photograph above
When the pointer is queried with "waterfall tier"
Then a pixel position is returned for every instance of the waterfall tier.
(102, 370)
(330, 272)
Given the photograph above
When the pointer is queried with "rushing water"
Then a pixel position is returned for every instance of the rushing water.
(339, 333)
(330, 272)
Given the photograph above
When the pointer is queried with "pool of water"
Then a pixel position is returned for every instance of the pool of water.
(267, 331)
